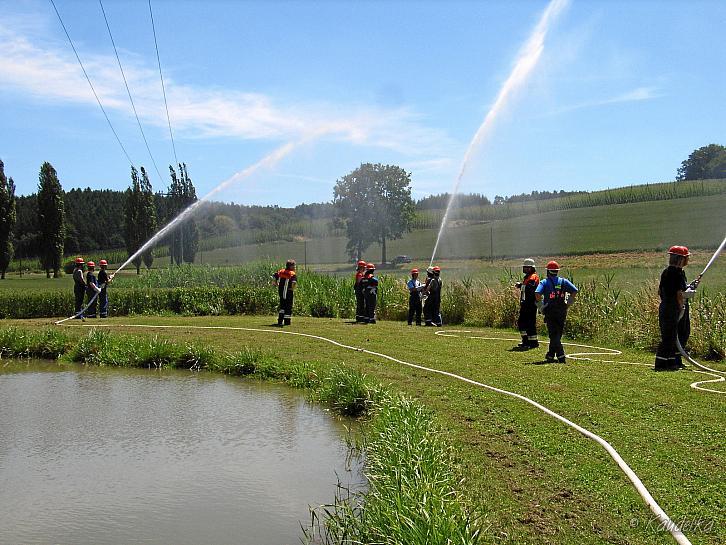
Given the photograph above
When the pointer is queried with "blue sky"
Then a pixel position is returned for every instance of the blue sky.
(622, 92)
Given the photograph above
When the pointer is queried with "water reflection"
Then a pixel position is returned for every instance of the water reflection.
(92, 455)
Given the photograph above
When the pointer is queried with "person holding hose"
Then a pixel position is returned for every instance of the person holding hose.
(554, 295)
(92, 289)
(360, 315)
(369, 285)
(527, 321)
(432, 306)
(286, 281)
(673, 315)
(414, 297)
(79, 286)
(104, 279)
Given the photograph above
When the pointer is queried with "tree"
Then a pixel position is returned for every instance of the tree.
(184, 240)
(7, 220)
(191, 233)
(51, 220)
(705, 163)
(147, 216)
(133, 210)
(375, 203)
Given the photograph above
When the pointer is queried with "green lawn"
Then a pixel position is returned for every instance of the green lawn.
(535, 480)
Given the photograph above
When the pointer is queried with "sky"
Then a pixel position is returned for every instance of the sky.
(622, 93)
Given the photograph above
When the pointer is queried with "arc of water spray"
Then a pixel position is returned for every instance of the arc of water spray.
(527, 59)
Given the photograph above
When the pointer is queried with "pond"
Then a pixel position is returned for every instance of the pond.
(97, 455)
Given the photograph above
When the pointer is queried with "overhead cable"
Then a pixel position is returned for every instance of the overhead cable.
(133, 106)
(91, 85)
(163, 89)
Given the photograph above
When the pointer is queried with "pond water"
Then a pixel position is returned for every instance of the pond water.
(93, 455)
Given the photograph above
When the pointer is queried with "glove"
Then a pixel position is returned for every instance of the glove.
(96, 288)
(689, 293)
(540, 306)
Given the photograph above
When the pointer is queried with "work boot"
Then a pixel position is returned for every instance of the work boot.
(287, 321)
(561, 359)
(550, 358)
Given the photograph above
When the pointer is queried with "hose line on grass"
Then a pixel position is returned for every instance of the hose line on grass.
(664, 520)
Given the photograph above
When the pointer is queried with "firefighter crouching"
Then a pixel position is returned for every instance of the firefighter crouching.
(92, 290)
(285, 280)
(104, 279)
(79, 286)
(555, 294)
(527, 321)
(369, 285)
(414, 297)
(673, 315)
(432, 306)
(360, 272)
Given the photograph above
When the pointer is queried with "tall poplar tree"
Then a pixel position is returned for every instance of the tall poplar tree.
(184, 240)
(51, 220)
(132, 220)
(7, 220)
(191, 232)
(147, 216)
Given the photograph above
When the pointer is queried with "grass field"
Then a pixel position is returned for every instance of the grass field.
(535, 480)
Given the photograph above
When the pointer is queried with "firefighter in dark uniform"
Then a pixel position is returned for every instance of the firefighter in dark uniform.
(432, 306)
(527, 321)
(673, 315)
(554, 295)
(285, 280)
(104, 279)
(92, 290)
(414, 297)
(360, 272)
(369, 285)
(79, 286)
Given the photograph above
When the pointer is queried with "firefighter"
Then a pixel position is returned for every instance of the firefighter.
(104, 279)
(414, 297)
(286, 280)
(79, 286)
(360, 272)
(92, 290)
(432, 306)
(527, 321)
(554, 296)
(369, 285)
(673, 315)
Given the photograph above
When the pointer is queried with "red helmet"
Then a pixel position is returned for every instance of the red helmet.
(414, 271)
(553, 266)
(79, 261)
(91, 264)
(679, 250)
(103, 262)
(361, 263)
(370, 267)
(437, 269)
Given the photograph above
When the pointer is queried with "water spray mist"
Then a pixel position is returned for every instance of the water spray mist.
(526, 61)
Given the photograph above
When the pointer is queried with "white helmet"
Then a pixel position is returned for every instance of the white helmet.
(430, 270)
(529, 262)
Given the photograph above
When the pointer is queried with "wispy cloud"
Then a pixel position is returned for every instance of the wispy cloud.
(635, 95)
(48, 72)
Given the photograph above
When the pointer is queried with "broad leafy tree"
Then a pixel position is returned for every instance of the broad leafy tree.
(374, 201)
(7, 220)
(133, 212)
(705, 163)
(51, 220)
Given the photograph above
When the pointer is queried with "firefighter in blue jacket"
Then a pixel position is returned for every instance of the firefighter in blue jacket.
(286, 280)
(358, 290)
(369, 285)
(554, 295)
(79, 286)
(92, 290)
(415, 287)
(527, 321)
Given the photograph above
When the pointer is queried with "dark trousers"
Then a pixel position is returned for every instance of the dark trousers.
(93, 302)
(414, 308)
(555, 327)
(371, 300)
(103, 303)
(527, 325)
(671, 328)
(360, 306)
(432, 310)
(79, 291)
(284, 314)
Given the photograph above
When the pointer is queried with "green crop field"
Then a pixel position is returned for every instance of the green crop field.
(529, 477)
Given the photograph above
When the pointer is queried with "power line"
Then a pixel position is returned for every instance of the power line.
(90, 84)
(133, 106)
(163, 90)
